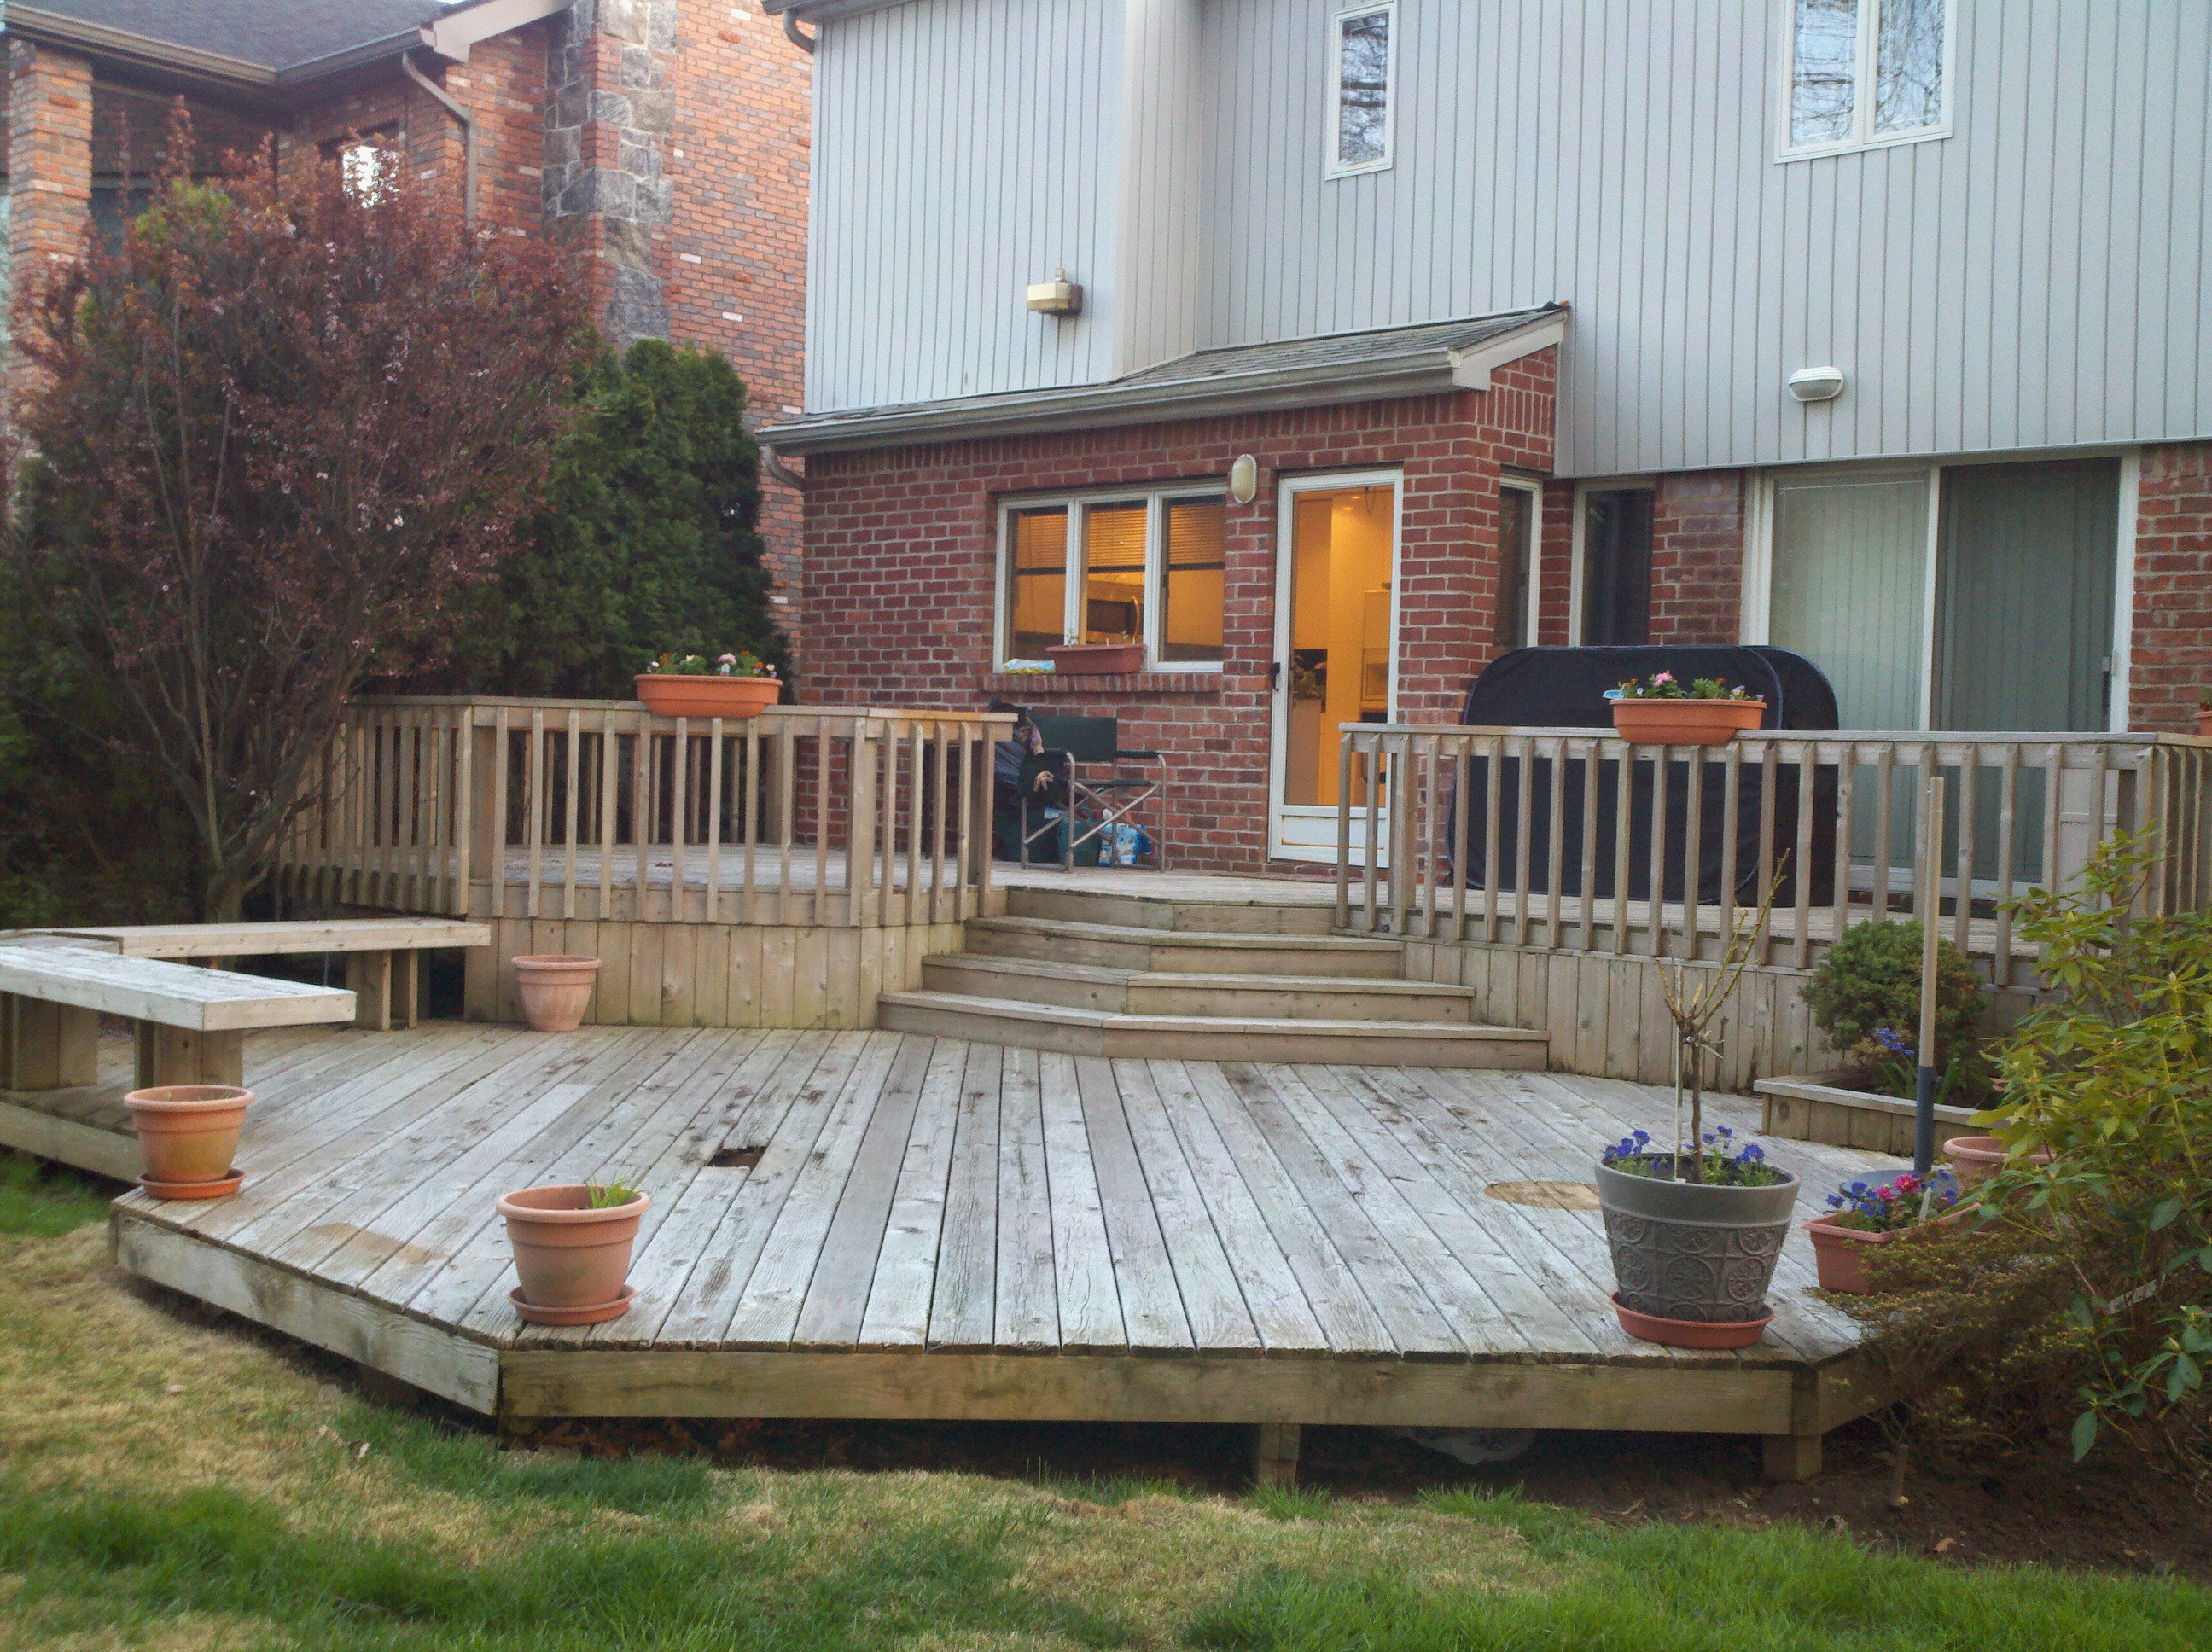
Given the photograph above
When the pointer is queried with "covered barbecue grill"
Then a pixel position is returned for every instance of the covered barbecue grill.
(1566, 688)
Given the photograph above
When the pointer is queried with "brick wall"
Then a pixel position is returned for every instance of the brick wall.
(903, 553)
(49, 173)
(1697, 525)
(2171, 655)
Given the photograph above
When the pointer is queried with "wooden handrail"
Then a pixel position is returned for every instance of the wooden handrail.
(1560, 846)
(803, 815)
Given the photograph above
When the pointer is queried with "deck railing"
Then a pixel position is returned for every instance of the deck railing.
(564, 809)
(1550, 837)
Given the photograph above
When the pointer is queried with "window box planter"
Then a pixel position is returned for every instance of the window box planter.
(1096, 659)
(1699, 1255)
(1652, 721)
(669, 694)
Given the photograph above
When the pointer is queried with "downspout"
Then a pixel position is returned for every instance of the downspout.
(804, 42)
(468, 132)
(772, 462)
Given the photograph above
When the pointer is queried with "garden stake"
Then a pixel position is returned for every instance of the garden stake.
(1931, 897)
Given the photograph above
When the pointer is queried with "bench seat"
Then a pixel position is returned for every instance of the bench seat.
(192, 1023)
(383, 970)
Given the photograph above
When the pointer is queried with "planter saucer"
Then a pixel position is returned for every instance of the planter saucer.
(221, 1187)
(1691, 1333)
(592, 1313)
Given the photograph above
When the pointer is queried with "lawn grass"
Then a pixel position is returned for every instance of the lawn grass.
(43, 1201)
(172, 1484)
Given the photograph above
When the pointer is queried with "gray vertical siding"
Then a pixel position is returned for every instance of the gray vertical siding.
(2040, 278)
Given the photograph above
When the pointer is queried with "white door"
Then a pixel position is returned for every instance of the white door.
(1336, 656)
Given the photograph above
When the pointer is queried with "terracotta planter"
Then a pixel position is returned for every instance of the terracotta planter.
(1839, 1252)
(1691, 1333)
(1700, 1252)
(187, 1136)
(1095, 659)
(731, 698)
(1975, 1159)
(571, 1258)
(2204, 724)
(554, 989)
(1685, 722)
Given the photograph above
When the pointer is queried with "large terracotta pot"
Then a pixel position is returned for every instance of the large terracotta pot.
(731, 698)
(1095, 659)
(1975, 1159)
(555, 989)
(187, 1136)
(571, 1260)
(1685, 722)
(1693, 1252)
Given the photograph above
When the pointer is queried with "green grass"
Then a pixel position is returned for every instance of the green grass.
(1659, 1588)
(41, 1201)
(1292, 1502)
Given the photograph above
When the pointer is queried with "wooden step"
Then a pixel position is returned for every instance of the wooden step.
(1157, 952)
(1126, 992)
(1177, 912)
(1211, 1038)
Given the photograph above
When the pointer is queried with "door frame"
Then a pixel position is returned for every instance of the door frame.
(1278, 719)
(1578, 533)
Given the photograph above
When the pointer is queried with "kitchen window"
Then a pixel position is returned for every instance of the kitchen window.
(1125, 567)
(1865, 73)
(1362, 72)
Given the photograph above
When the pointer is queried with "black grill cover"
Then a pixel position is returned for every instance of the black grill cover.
(1566, 688)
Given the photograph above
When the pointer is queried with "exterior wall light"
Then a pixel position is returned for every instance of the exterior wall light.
(1817, 384)
(1243, 478)
(1059, 296)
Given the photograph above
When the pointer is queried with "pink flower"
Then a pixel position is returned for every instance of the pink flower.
(1664, 677)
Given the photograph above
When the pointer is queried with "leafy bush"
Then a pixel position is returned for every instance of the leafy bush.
(1870, 980)
(2085, 1293)
(646, 543)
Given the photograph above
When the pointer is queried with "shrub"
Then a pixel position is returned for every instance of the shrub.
(2086, 1291)
(1870, 980)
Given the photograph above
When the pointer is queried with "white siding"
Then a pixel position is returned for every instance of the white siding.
(2038, 279)
(962, 149)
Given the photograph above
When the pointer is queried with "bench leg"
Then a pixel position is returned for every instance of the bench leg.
(406, 989)
(178, 1055)
(46, 1046)
(369, 974)
(1275, 1454)
(1790, 1457)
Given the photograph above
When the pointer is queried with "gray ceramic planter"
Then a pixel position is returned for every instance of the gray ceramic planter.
(1688, 1251)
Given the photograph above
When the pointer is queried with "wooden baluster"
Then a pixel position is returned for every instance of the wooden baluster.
(1493, 813)
(964, 736)
(749, 819)
(714, 821)
(1623, 798)
(1840, 916)
(1524, 792)
(1344, 836)
(787, 788)
(1801, 860)
(1731, 808)
(1461, 771)
(1430, 760)
(1370, 747)
(1556, 844)
(1769, 778)
(1961, 815)
(609, 807)
(571, 761)
(533, 805)
(1693, 850)
(501, 747)
(644, 790)
(917, 792)
(942, 813)
(679, 822)
(1592, 778)
(1884, 782)
(1656, 878)
(860, 848)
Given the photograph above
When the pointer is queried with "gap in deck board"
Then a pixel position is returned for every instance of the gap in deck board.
(736, 1158)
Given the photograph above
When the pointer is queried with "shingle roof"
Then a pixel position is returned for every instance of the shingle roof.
(274, 35)
(1334, 368)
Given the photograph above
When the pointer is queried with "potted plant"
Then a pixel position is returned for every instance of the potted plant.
(555, 989)
(1659, 710)
(572, 1246)
(1075, 656)
(2204, 716)
(730, 686)
(1694, 1238)
(187, 1138)
(1863, 1214)
(1975, 1159)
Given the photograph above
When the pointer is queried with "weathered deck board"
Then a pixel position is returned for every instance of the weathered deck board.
(1027, 1234)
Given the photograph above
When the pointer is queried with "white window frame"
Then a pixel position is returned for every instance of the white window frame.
(1863, 137)
(1331, 110)
(1156, 497)
(1534, 490)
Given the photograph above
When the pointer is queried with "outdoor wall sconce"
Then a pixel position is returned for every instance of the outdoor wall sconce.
(1243, 478)
(1817, 384)
(1059, 296)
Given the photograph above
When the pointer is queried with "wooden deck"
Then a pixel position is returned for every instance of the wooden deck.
(937, 1229)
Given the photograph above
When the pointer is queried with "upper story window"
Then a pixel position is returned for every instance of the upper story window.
(368, 166)
(1363, 74)
(1864, 73)
(1132, 567)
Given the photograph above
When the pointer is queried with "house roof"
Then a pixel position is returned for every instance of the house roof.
(265, 45)
(1349, 366)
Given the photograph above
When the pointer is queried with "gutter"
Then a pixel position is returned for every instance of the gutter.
(468, 133)
(1430, 372)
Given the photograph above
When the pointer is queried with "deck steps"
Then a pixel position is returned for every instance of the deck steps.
(1088, 973)
(1209, 1038)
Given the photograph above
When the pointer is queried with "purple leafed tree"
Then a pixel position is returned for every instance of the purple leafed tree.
(276, 436)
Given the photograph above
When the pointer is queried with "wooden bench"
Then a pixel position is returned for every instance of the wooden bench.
(192, 1023)
(383, 954)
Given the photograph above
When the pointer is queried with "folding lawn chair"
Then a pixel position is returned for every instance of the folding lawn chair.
(1093, 804)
